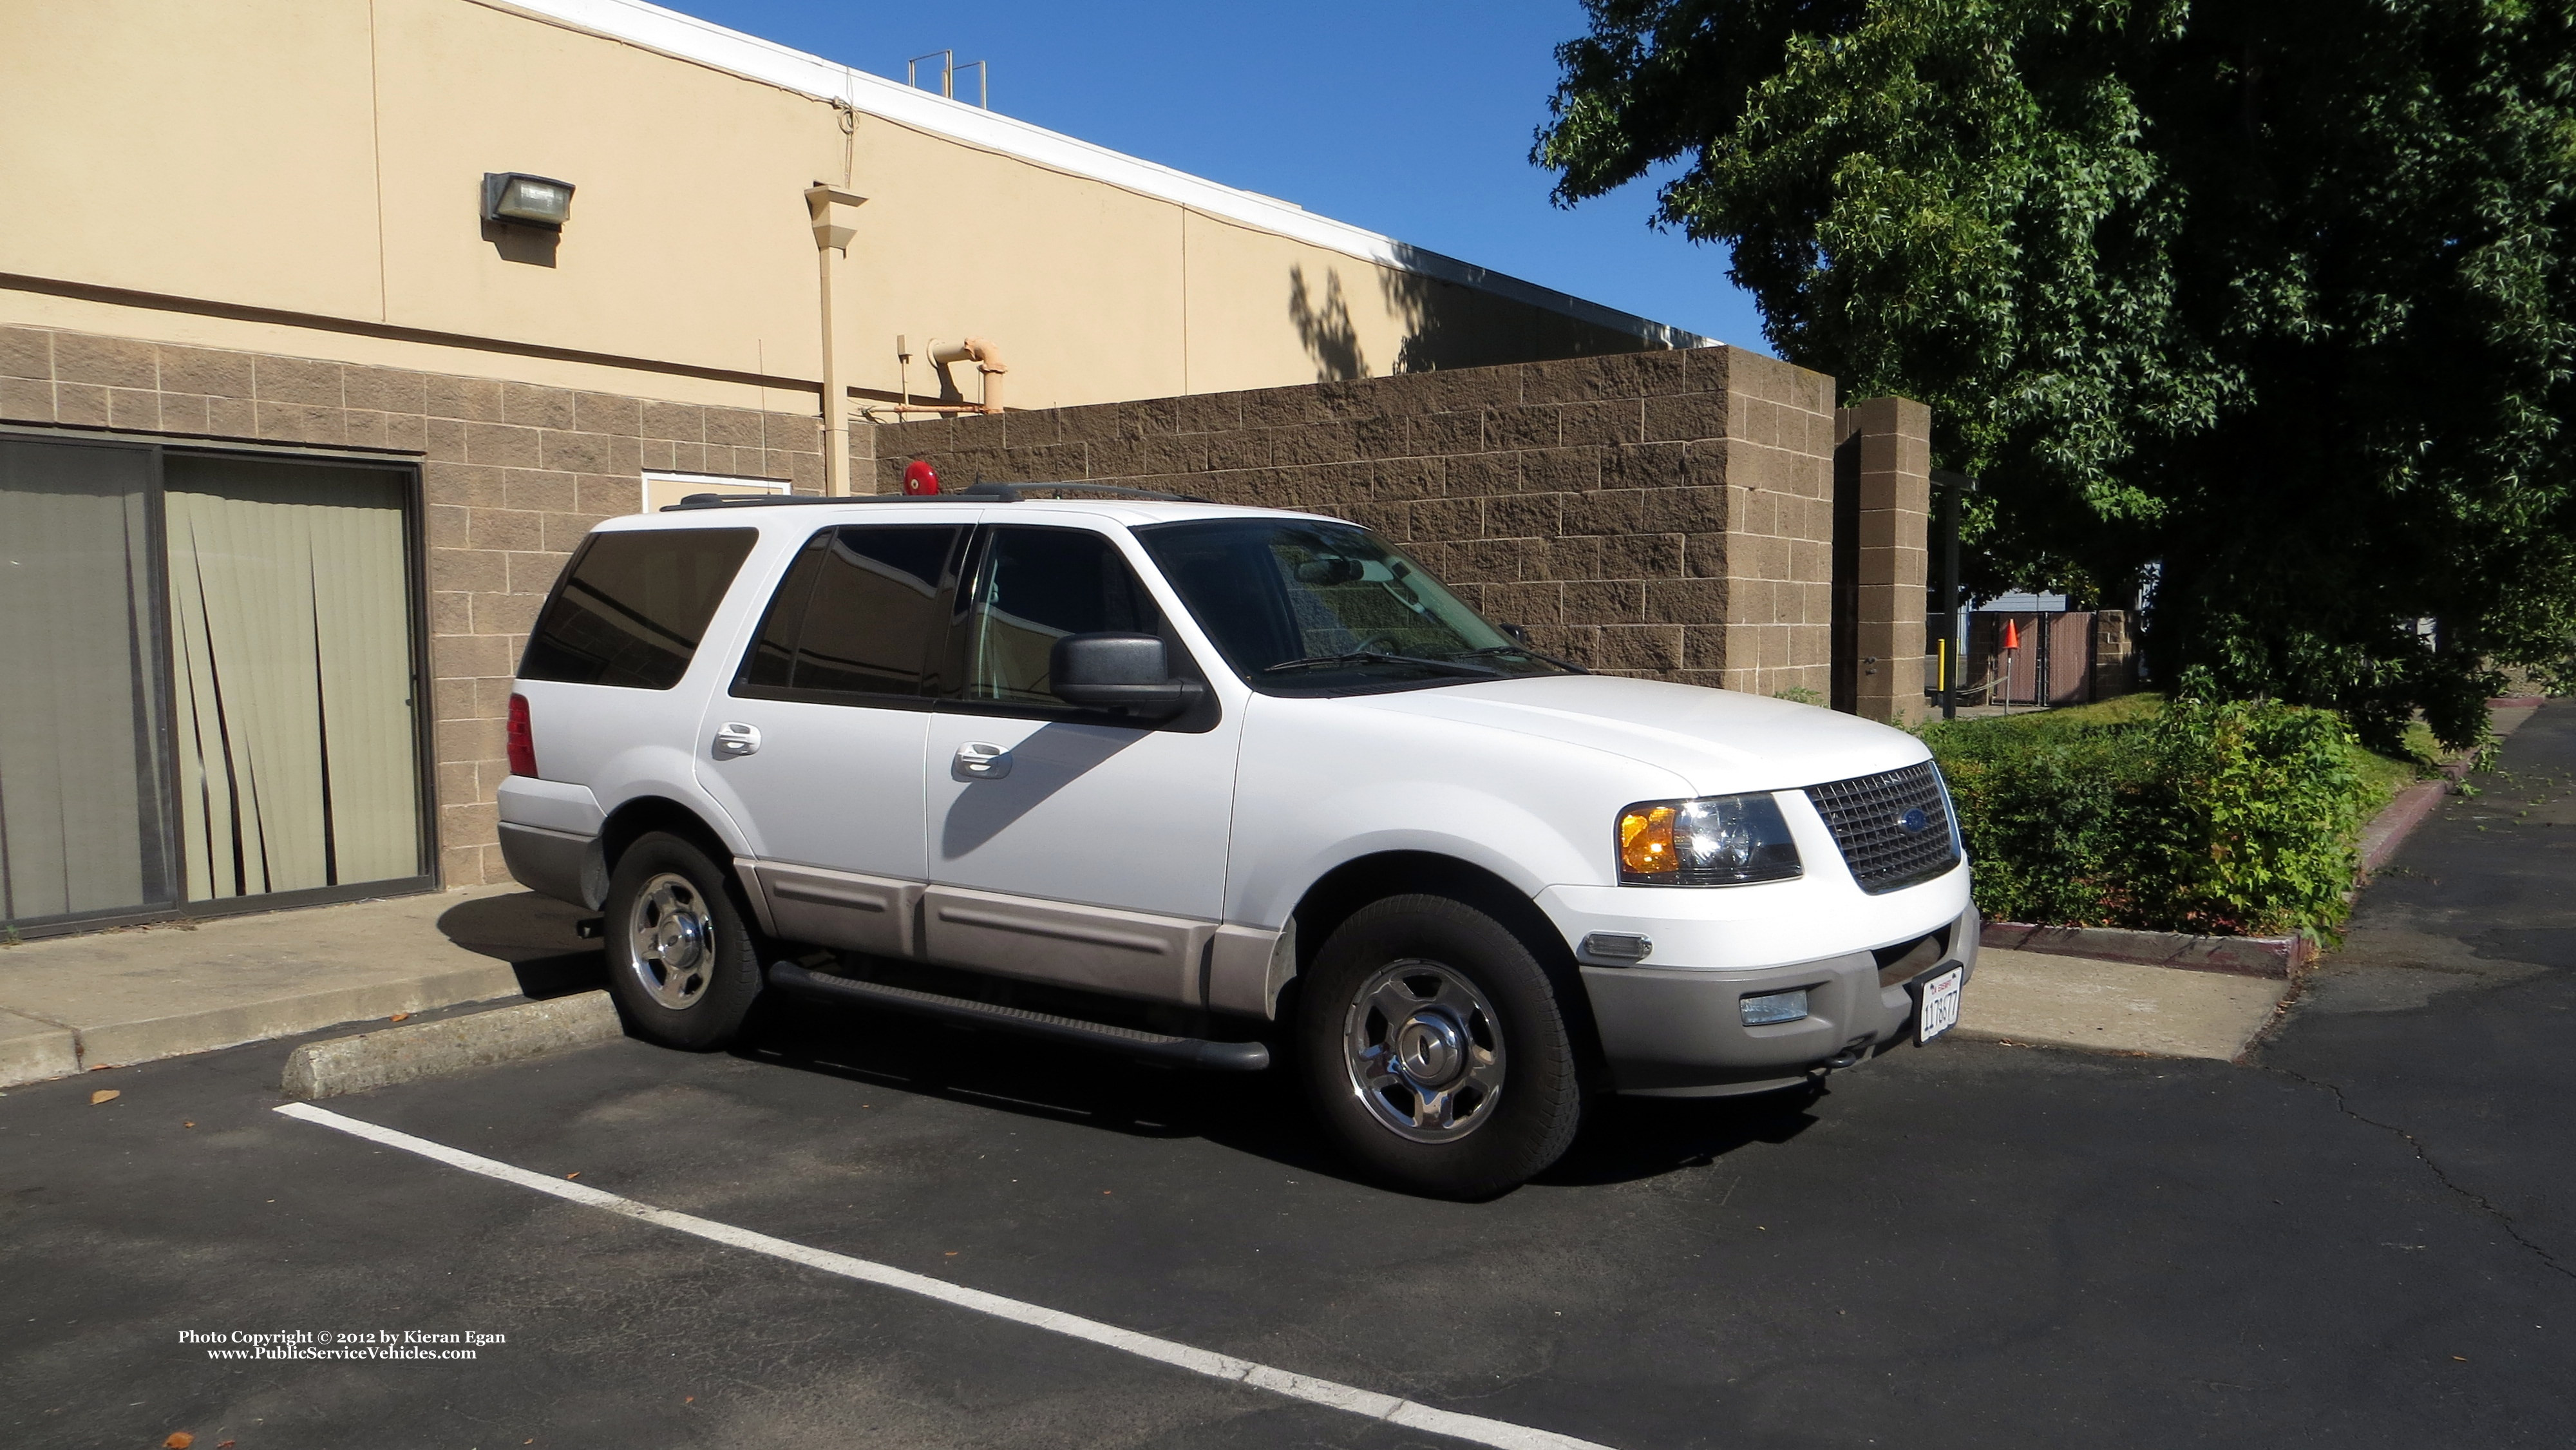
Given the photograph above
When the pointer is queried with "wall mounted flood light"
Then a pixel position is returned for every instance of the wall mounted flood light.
(530, 201)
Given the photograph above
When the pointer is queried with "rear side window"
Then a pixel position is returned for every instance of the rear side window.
(633, 605)
(856, 617)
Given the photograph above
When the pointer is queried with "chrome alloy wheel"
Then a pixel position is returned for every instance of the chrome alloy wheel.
(671, 941)
(1425, 1051)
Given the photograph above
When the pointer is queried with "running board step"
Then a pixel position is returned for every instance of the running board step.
(1151, 1046)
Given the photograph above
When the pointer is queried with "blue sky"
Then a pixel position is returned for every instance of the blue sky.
(1409, 117)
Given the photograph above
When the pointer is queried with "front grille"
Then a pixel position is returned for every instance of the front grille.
(1869, 815)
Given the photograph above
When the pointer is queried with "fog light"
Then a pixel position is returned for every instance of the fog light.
(1774, 1008)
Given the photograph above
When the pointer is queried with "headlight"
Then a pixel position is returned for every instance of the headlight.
(1724, 840)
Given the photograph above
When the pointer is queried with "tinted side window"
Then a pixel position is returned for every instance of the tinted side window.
(633, 605)
(1033, 587)
(856, 615)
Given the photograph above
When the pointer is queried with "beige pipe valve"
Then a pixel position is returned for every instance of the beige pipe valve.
(986, 358)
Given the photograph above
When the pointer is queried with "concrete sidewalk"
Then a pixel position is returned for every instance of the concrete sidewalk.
(115, 997)
(2060, 1001)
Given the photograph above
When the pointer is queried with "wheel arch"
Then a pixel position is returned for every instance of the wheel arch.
(1353, 884)
(634, 818)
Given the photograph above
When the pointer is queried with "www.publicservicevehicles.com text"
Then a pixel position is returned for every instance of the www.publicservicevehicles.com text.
(340, 1344)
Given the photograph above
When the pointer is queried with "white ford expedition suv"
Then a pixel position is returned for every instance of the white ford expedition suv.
(1186, 782)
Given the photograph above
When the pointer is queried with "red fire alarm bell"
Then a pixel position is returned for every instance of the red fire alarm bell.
(919, 478)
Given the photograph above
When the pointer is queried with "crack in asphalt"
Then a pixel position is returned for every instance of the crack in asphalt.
(2481, 1201)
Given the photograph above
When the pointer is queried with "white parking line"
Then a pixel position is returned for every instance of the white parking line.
(1473, 1428)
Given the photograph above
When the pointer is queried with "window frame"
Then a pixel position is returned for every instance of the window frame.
(1182, 660)
(572, 565)
(935, 645)
(165, 728)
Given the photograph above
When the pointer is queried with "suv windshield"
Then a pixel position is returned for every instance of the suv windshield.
(1303, 607)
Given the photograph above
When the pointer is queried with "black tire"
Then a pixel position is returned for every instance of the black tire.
(1474, 988)
(697, 1000)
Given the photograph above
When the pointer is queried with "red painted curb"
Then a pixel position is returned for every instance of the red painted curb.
(2389, 829)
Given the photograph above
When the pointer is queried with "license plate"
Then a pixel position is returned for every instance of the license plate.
(1940, 1010)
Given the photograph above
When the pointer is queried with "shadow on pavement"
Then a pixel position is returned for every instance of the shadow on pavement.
(1261, 1114)
(535, 935)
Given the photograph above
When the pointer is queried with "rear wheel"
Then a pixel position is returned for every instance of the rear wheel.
(681, 960)
(1436, 1048)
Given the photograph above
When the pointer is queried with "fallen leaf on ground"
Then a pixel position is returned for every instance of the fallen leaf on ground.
(104, 1095)
(576, 1173)
(223, 1445)
(187, 1125)
(179, 1440)
(398, 1016)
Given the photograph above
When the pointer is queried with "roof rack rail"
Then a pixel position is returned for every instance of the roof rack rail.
(973, 493)
(1016, 492)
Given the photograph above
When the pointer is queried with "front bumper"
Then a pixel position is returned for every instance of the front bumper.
(1678, 1032)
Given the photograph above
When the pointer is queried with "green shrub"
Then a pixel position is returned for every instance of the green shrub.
(2224, 817)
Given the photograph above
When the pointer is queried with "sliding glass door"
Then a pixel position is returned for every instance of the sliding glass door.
(82, 693)
(290, 631)
(212, 681)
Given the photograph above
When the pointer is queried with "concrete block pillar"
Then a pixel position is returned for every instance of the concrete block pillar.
(1883, 508)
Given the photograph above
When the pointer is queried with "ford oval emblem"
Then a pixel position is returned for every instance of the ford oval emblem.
(1914, 822)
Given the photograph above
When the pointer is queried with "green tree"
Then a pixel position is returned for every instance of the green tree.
(2270, 301)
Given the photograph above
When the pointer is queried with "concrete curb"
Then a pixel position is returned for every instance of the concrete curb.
(434, 1049)
(2243, 956)
(184, 1031)
(32, 1051)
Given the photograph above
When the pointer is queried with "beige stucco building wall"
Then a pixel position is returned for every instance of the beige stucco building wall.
(258, 224)
(303, 177)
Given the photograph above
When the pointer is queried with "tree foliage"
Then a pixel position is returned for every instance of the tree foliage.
(2271, 303)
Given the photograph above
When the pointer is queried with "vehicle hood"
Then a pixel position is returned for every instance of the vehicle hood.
(1719, 740)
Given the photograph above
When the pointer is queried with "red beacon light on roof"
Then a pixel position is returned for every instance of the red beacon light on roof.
(920, 480)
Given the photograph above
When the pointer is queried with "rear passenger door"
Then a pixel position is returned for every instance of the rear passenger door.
(1095, 855)
(816, 747)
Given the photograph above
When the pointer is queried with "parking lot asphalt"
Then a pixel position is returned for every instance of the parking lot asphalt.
(2361, 1238)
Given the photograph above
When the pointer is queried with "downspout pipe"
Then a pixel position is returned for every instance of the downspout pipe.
(987, 360)
(835, 216)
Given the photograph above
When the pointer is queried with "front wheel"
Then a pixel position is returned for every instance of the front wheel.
(681, 960)
(1437, 1050)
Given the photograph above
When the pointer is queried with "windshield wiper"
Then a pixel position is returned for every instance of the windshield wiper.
(1524, 652)
(1374, 657)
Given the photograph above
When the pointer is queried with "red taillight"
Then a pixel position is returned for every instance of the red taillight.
(523, 742)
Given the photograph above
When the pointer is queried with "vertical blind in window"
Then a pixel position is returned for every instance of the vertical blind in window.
(291, 643)
(81, 791)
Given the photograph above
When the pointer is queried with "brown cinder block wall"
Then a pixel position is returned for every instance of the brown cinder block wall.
(1886, 477)
(1660, 513)
(512, 475)
(1667, 513)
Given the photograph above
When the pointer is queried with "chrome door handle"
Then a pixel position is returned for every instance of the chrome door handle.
(979, 761)
(734, 740)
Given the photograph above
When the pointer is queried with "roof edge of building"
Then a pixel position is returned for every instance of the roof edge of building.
(703, 42)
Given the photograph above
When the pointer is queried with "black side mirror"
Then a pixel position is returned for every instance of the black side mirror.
(1123, 672)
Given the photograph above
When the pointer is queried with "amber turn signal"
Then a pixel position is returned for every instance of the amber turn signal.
(1646, 841)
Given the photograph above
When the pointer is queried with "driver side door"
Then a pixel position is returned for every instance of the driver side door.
(1066, 845)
